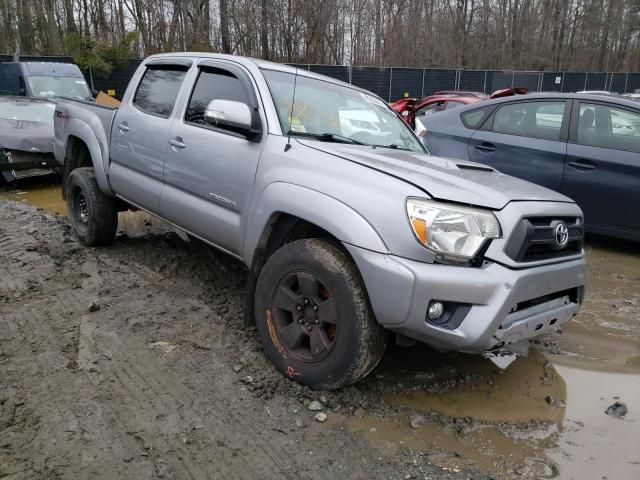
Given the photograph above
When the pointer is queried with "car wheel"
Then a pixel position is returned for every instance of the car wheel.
(314, 318)
(94, 216)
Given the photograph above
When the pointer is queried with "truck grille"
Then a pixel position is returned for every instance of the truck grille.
(541, 238)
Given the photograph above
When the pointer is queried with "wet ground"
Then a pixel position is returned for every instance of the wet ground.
(541, 418)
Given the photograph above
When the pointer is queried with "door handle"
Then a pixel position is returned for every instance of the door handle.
(123, 127)
(485, 147)
(582, 166)
(177, 142)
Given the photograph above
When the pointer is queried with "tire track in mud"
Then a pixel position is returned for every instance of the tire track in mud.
(137, 377)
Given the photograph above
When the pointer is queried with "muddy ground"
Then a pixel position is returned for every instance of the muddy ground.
(162, 381)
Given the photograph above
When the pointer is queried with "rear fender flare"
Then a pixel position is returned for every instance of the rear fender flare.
(99, 151)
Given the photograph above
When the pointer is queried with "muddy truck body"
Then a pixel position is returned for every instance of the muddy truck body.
(350, 230)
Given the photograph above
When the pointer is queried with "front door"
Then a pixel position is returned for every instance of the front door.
(525, 139)
(139, 136)
(603, 166)
(210, 170)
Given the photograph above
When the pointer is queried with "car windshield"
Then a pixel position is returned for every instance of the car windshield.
(32, 111)
(44, 86)
(335, 113)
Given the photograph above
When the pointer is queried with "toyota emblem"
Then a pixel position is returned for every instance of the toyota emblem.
(562, 235)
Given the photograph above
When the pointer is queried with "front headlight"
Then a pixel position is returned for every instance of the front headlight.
(449, 229)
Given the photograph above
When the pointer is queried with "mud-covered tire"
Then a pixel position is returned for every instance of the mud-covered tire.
(357, 341)
(94, 216)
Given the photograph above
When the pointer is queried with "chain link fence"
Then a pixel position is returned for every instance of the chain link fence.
(392, 83)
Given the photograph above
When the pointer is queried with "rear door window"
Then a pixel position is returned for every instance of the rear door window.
(475, 118)
(158, 89)
(541, 120)
(608, 127)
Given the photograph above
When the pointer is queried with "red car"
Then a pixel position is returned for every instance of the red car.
(409, 108)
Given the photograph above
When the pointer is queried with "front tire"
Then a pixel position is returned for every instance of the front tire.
(314, 318)
(94, 216)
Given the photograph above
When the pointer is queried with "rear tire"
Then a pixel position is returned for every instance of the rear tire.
(314, 318)
(94, 216)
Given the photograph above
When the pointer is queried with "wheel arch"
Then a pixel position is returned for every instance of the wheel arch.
(82, 149)
(311, 215)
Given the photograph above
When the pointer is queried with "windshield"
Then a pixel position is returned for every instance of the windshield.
(43, 86)
(32, 111)
(337, 113)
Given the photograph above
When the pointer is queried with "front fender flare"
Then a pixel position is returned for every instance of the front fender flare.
(328, 213)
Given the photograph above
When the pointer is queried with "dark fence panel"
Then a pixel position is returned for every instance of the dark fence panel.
(393, 83)
(497, 80)
(633, 82)
(551, 82)
(117, 80)
(573, 82)
(374, 79)
(406, 82)
(472, 80)
(617, 82)
(339, 72)
(528, 80)
(435, 80)
(596, 81)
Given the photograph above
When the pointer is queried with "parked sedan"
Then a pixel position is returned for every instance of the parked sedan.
(584, 145)
(412, 108)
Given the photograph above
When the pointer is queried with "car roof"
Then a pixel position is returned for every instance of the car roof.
(596, 97)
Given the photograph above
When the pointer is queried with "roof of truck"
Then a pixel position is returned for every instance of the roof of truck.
(259, 63)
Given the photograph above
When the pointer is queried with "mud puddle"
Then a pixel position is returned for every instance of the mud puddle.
(541, 418)
(48, 196)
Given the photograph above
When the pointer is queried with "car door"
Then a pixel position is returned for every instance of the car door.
(139, 135)
(603, 166)
(526, 139)
(209, 170)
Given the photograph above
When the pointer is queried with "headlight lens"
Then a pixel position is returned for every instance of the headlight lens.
(449, 229)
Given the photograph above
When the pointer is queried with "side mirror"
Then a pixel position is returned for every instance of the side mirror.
(94, 93)
(229, 113)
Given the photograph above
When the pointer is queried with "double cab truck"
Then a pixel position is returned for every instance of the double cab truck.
(351, 232)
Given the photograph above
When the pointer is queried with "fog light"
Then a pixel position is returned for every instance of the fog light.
(436, 309)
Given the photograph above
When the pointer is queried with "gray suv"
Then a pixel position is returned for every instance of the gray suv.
(348, 228)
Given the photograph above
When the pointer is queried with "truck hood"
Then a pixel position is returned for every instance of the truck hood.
(26, 135)
(444, 179)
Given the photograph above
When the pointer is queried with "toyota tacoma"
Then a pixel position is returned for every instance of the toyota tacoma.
(351, 232)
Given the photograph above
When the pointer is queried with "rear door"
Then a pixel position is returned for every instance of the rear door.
(526, 139)
(139, 133)
(210, 170)
(603, 166)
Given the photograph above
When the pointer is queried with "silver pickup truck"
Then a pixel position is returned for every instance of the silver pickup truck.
(349, 228)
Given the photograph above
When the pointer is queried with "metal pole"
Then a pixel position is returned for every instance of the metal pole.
(586, 77)
(484, 87)
(513, 78)
(562, 83)
(422, 91)
(390, 77)
(91, 78)
(626, 81)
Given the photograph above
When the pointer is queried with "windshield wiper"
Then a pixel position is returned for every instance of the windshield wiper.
(395, 146)
(325, 137)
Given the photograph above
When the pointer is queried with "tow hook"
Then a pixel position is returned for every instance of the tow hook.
(503, 356)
